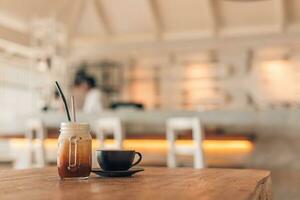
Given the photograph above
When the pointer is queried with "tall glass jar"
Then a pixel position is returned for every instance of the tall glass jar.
(74, 157)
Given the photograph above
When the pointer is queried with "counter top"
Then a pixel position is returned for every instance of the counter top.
(143, 121)
(153, 183)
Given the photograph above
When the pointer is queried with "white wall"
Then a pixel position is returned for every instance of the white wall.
(23, 88)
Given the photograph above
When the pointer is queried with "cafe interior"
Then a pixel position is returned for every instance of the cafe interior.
(221, 75)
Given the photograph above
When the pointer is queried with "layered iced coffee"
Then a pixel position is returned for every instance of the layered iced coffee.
(74, 158)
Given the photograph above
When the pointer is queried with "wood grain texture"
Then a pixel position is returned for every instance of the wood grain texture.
(153, 183)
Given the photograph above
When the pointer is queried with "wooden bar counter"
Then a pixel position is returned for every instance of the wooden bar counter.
(153, 183)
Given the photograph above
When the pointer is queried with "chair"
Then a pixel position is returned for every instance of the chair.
(34, 156)
(176, 124)
(109, 126)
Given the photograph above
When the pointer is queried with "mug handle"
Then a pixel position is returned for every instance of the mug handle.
(139, 159)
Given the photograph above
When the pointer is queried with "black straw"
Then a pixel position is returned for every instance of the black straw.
(64, 100)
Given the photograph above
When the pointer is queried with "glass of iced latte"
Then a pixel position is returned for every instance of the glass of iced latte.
(74, 157)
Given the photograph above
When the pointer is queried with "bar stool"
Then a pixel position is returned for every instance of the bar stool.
(109, 126)
(35, 135)
(179, 124)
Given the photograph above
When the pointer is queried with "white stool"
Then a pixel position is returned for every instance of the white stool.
(35, 135)
(179, 124)
(109, 126)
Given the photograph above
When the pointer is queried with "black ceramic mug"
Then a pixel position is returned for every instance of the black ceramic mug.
(117, 160)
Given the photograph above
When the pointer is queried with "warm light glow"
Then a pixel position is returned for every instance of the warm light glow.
(143, 86)
(200, 86)
(200, 71)
(279, 79)
(154, 145)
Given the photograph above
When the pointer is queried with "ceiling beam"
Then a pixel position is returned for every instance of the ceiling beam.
(156, 17)
(12, 23)
(15, 48)
(197, 44)
(78, 13)
(70, 18)
(281, 14)
(103, 17)
(62, 7)
(211, 7)
(250, 30)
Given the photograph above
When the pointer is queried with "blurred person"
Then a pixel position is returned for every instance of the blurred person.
(93, 99)
(79, 91)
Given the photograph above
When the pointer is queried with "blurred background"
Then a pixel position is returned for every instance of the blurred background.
(232, 64)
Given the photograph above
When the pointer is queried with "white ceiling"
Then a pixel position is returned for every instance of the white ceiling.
(131, 21)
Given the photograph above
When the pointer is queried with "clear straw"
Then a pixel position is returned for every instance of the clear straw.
(73, 108)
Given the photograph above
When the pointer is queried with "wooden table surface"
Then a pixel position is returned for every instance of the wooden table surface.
(153, 183)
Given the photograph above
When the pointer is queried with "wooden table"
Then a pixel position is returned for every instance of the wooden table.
(153, 183)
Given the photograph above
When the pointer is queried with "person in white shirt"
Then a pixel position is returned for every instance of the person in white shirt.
(79, 91)
(93, 99)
